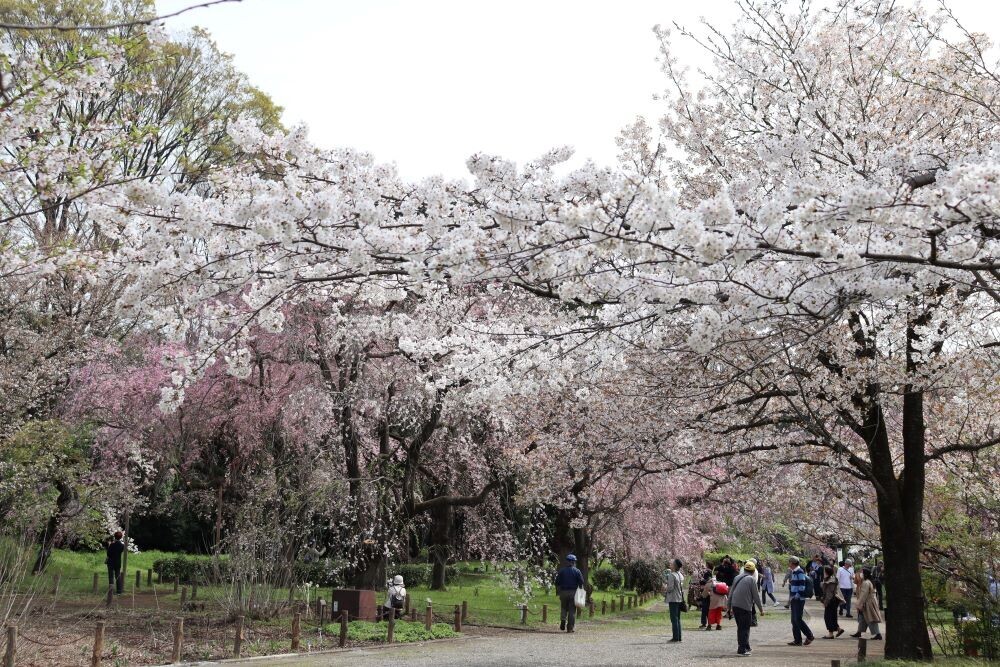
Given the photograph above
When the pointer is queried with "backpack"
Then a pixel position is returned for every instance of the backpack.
(721, 588)
(810, 590)
(396, 598)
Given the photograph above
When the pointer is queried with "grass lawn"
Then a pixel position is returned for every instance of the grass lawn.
(490, 599)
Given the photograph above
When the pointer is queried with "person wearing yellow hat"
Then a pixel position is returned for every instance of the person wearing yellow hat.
(744, 598)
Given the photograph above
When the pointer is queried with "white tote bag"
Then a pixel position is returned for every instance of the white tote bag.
(580, 600)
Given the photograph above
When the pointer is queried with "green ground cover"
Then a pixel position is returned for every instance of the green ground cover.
(363, 631)
(489, 596)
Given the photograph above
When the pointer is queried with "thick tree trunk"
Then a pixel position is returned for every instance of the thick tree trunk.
(371, 574)
(48, 539)
(442, 519)
(906, 634)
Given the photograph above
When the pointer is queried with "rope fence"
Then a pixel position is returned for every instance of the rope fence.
(195, 631)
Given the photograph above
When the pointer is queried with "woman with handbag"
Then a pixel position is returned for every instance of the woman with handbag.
(866, 604)
(832, 599)
(674, 597)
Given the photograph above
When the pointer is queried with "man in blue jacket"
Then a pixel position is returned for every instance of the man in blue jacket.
(568, 579)
(797, 601)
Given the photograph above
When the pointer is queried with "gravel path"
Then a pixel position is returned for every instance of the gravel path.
(607, 642)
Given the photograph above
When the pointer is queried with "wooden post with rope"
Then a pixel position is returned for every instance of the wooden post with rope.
(343, 629)
(11, 654)
(95, 656)
(296, 630)
(175, 656)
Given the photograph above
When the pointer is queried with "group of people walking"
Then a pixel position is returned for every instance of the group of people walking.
(741, 589)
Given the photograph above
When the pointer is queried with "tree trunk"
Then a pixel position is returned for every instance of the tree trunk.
(906, 636)
(442, 519)
(66, 496)
(217, 547)
(581, 538)
(370, 575)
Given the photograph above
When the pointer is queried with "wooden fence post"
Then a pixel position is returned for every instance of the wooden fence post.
(296, 630)
(429, 617)
(524, 614)
(465, 611)
(238, 640)
(545, 613)
(413, 615)
(604, 607)
(149, 577)
(95, 657)
(590, 607)
(458, 618)
(11, 655)
(97, 585)
(175, 656)
(321, 604)
(184, 596)
(621, 603)
(110, 599)
(390, 626)
(343, 629)
(138, 579)
(862, 649)
(406, 605)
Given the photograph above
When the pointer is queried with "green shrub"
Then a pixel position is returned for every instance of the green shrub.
(365, 631)
(606, 579)
(645, 576)
(414, 574)
(188, 569)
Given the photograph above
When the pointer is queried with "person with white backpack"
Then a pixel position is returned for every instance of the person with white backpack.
(569, 580)
(395, 597)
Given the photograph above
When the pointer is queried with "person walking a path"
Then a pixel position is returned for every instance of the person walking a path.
(797, 594)
(716, 602)
(568, 579)
(832, 599)
(845, 575)
(673, 595)
(114, 553)
(867, 606)
(703, 597)
(767, 585)
(743, 599)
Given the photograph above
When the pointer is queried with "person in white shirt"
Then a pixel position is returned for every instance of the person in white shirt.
(395, 597)
(845, 579)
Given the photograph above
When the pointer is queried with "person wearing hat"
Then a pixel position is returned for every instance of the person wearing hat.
(395, 597)
(743, 599)
(568, 579)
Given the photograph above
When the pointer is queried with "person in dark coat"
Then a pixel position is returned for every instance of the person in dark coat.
(568, 579)
(114, 553)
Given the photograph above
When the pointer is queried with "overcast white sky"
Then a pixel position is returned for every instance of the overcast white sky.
(426, 83)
